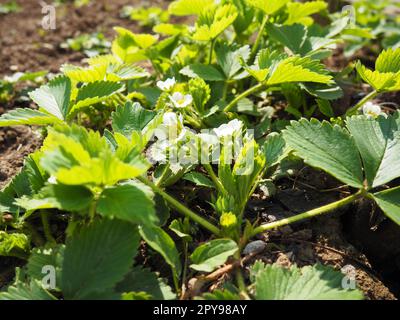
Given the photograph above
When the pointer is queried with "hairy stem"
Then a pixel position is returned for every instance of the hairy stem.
(244, 95)
(309, 214)
(46, 227)
(180, 207)
(214, 178)
(353, 110)
(259, 37)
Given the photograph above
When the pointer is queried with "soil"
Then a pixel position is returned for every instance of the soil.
(331, 239)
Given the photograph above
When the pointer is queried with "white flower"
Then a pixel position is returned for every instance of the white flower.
(14, 78)
(229, 129)
(166, 85)
(175, 167)
(172, 119)
(372, 110)
(181, 101)
(52, 180)
(209, 139)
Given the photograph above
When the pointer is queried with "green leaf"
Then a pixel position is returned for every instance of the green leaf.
(325, 107)
(318, 282)
(204, 71)
(229, 58)
(97, 257)
(209, 256)
(26, 291)
(389, 201)
(199, 179)
(58, 196)
(116, 202)
(269, 7)
(93, 93)
(274, 149)
(378, 141)
(131, 117)
(14, 244)
(213, 21)
(143, 280)
(221, 295)
(296, 69)
(32, 117)
(388, 61)
(188, 7)
(41, 257)
(300, 12)
(293, 37)
(377, 80)
(162, 243)
(326, 147)
(54, 97)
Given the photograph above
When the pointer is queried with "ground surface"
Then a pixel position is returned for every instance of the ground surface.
(25, 46)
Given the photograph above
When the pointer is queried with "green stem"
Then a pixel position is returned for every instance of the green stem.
(163, 175)
(259, 36)
(211, 51)
(214, 178)
(243, 95)
(309, 214)
(180, 207)
(46, 227)
(353, 110)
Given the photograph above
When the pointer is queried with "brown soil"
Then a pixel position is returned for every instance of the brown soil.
(25, 46)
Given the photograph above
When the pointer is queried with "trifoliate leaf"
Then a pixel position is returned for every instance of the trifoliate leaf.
(326, 147)
(14, 244)
(209, 256)
(389, 201)
(31, 117)
(54, 97)
(131, 117)
(26, 291)
(116, 202)
(318, 282)
(378, 141)
(97, 257)
(162, 243)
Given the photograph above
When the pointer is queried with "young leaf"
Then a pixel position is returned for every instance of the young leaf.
(229, 58)
(97, 257)
(54, 97)
(116, 202)
(209, 256)
(326, 147)
(389, 201)
(161, 242)
(300, 12)
(14, 244)
(199, 179)
(378, 141)
(318, 282)
(31, 117)
(274, 149)
(131, 117)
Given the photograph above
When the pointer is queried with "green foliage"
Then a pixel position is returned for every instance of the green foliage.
(308, 283)
(209, 256)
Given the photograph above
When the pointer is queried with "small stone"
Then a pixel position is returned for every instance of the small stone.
(254, 247)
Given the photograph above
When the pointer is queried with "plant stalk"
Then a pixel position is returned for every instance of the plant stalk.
(309, 214)
(46, 227)
(180, 207)
(243, 95)
(259, 36)
(211, 51)
(214, 178)
(353, 110)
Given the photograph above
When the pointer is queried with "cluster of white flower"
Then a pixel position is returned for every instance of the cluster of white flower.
(178, 99)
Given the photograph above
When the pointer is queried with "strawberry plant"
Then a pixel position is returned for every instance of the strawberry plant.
(162, 141)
